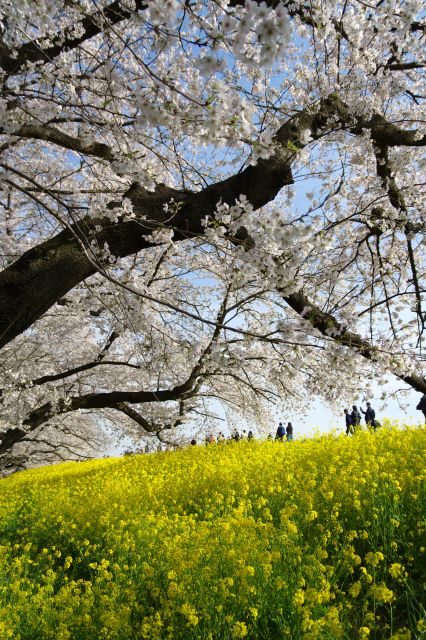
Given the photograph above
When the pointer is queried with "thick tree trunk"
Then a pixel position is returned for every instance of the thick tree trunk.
(39, 278)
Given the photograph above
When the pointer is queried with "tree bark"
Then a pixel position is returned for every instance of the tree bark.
(44, 274)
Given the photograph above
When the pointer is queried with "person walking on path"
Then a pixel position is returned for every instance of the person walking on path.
(348, 420)
(280, 432)
(422, 405)
(289, 432)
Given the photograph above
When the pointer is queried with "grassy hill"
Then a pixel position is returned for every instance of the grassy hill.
(317, 539)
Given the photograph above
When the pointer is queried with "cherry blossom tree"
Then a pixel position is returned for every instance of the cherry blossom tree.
(205, 200)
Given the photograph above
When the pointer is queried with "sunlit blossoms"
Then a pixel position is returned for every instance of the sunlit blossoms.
(208, 209)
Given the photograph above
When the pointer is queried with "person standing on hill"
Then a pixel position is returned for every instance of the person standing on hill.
(422, 405)
(289, 432)
(370, 416)
(356, 418)
(348, 420)
(280, 432)
(235, 435)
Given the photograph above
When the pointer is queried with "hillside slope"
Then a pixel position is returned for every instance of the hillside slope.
(322, 538)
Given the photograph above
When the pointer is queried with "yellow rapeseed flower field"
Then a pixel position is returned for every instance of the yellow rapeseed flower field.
(315, 539)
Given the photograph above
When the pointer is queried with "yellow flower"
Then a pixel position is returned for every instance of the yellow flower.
(401, 634)
(421, 625)
(247, 571)
(279, 584)
(396, 570)
(239, 630)
(190, 614)
(374, 558)
(367, 577)
(382, 593)
(275, 556)
(172, 590)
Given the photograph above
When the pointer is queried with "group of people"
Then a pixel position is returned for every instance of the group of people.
(353, 419)
(284, 431)
(235, 436)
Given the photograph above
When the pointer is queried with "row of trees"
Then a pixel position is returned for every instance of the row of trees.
(200, 202)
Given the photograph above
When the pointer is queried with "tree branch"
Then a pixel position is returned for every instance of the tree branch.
(90, 26)
(120, 399)
(61, 139)
(83, 367)
(328, 326)
(135, 416)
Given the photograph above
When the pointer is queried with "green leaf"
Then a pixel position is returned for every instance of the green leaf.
(292, 146)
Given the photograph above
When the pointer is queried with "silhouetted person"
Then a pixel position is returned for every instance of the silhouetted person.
(193, 442)
(235, 435)
(348, 420)
(422, 405)
(280, 432)
(289, 432)
(370, 416)
(355, 417)
(250, 435)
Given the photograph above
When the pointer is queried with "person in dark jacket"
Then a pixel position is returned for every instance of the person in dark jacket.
(422, 405)
(355, 417)
(289, 432)
(370, 416)
(348, 420)
(280, 432)
(235, 435)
